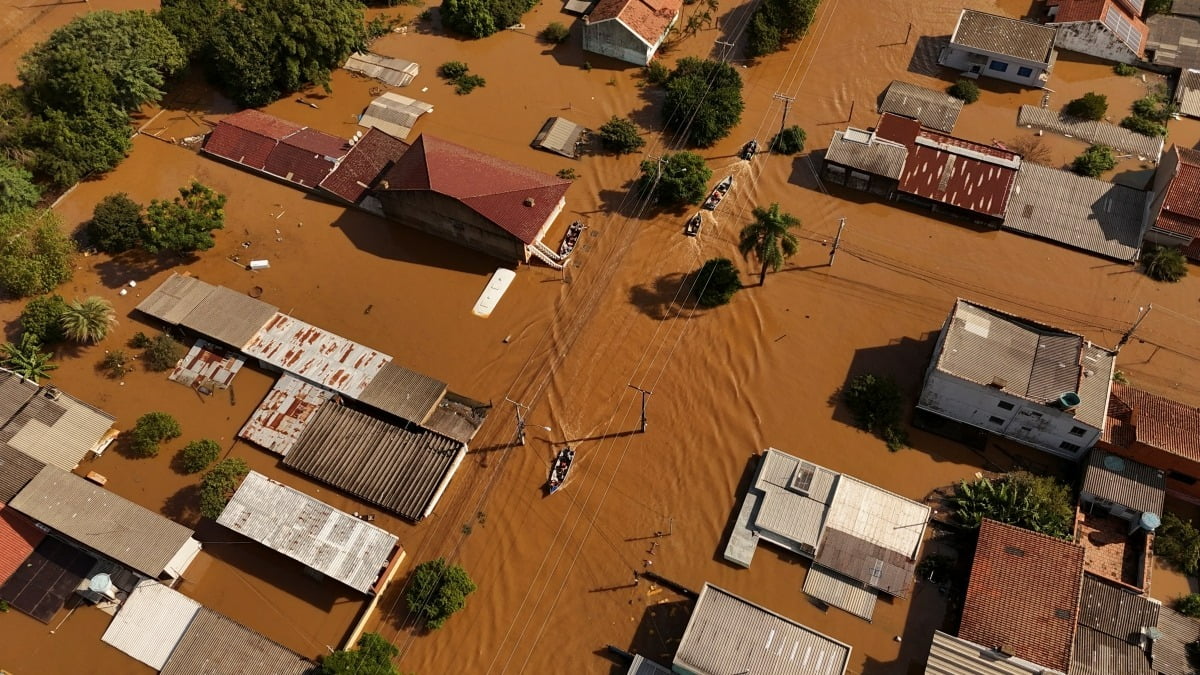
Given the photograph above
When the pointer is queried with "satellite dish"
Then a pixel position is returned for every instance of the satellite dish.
(1114, 463)
(101, 583)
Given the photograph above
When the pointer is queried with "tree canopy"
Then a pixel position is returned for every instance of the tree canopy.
(1178, 542)
(371, 656)
(878, 407)
(35, 255)
(677, 179)
(769, 238)
(151, 430)
(186, 223)
(117, 224)
(1094, 161)
(438, 590)
(218, 485)
(620, 135)
(704, 100)
(17, 190)
(776, 23)
(481, 18)
(1090, 106)
(1037, 503)
(1164, 263)
(716, 282)
(42, 318)
(67, 147)
(197, 455)
(192, 22)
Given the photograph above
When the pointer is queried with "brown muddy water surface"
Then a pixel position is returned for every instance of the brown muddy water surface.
(555, 573)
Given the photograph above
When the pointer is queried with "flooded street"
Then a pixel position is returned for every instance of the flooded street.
(555, 574)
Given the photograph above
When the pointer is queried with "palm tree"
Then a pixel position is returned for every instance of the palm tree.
(27, 358)
(768, 237)
(89, 320)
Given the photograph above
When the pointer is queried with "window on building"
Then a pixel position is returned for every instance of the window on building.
(1070, 447)
(1181, 477)
(996, 420)
(1024, 71)
(1004, 405)
(1078, 431)
(998, 66)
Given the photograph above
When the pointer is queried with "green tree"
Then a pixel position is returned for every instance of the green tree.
(555, 33)
(657, 73)
(67, 147)
(162, 353)
(193, 23)
(789, 141)
(437, 591)
(16, 119)
(878, 407)
(452, 70)
(152, 430)
(372, 656)
(1188, 605)
(88, 320)
(1090, 106)
(1094, 161)
(27, 359)
(620, 136)
(769, 238)
(185, 224)
(472, 18)
(41, 318)
(1159, 6)
(677, 179)
(776, 23)
(17, 190)
(965, 90)
(35, 256)
(762, 36)
(218, 485)
(1144, 126)
(197, 455)
(1164, 263)
(117, 224)
(704, 100)
(102, 59)
(1037, 503)
(716, 282)
(1178, 542)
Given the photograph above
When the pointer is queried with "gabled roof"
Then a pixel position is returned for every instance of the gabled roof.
(1004, 36)
(1187, 92)
(1024, 594)
(289, 151)
(16, 470)
(18, 537)
(151, 622)
(391, 71)
(867, 151)
(56, 428)
(1181, 206)
(1139, 416)
(1126, 482)
(647, 19)
(516, 199)
(358, 171)
(216, 645)
(1111, 621)
(394, 114)
(1122, 23)
(932, 108)
(951, 655)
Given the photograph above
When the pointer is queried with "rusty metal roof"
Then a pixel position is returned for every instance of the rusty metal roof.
(404, 393)
(869, 564)
(206, 365)
(284, 412)
(313, 354)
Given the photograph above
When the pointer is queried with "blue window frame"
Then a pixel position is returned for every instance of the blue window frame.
(1024, 71)
(998, 66)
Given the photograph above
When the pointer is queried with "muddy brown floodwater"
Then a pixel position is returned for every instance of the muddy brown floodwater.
(555, 573)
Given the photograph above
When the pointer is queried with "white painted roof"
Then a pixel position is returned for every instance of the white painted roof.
(878, 516)
(151, 622)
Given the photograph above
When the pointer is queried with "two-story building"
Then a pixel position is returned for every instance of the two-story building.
(1040, 386)
(1174, 211)
(987, 45)
(1158, 432)
(629, 30)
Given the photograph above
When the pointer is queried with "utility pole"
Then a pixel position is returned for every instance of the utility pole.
(727, 47)
(520, 419)
(787, 105)
(645, 394)
(837, 241)
(1129, 333)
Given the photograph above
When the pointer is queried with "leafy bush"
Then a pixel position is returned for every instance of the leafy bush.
(621, 136)
(657, 73)
(1154, 107)
(776, 23)
(140, 340)
(1124, 69)
(1094, 161)
(218, 485)
(964, 89)
(163, 353)
(17, 189)
(115, 363)
(42, 318)
(1159, 6)
(481, 18)
(1090, 106)
(555, 33)
(1144, 126)
(468, 83)
(117, 224)
(437, 591)
(372, 656)
(716, 282)
(704, 100)
(151, 430)
(35, 255)
(877, 407)
(1164, 263)
(197, 455)
(1178, 542)
(26, 358)
(186, 223)
(1037, 503)
(1188, 605)
(452, 70)
(88, 320)
(676, 179)
(789, 141)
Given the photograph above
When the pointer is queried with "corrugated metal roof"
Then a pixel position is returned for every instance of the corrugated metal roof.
(1115, 611)
(1170, 653)
(877, 516)
(863, 150)
(396, 468)
(867, 563)
(933, 109)
(18, 537)
(316, 355)
(1096, 653)
(277, 422)
(1125, 482)
(795, 517)
(1004, 36)
(728, 634)
(455, 420)
(833, 589)
(101, 520)
(1187, 92)
(404, 393)
(1081, 212)
(391, 71)
(561, 136)
(16, 470)
(216, 645)
(15, 392)
(207, 365)
(394, 114)
(175, 298)
(950, 655)
(228, 316)
(151, 622)
(643, 666)
(1099, 131)
(310, 531)
(57, 429)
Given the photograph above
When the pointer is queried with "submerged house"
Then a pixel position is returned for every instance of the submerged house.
(276, 148)
(987, 45)
(1106, 29)
(1158, 432)
(1174, 215)
(629, 30)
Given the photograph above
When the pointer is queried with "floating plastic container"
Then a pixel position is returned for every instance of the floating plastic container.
(259, 264)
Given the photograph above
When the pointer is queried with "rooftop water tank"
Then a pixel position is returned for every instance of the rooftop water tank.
(1068, 400)
(1150, 521)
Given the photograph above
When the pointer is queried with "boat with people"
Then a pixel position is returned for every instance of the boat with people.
(749, 149)
(693, 225)
(718, 193)
(560, 469)
(571, 238)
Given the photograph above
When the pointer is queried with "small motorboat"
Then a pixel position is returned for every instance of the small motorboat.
(718, 194)
(571, 238)
(749, 149)
(693, 225)
(560, 469)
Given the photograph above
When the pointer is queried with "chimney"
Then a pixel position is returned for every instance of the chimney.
(529, 201)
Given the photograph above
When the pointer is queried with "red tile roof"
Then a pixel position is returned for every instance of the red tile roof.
(517, 199)
(261, 123)
(284, 149)
(1139, 416)
(971, 176)
(239, 145)
(317, 142)
(304, 156)
(369, 157)
(1181, 207)
(18, 537)
(646, 18)
(1024, 594)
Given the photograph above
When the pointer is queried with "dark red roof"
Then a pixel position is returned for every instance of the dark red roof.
(1181, 207)
(1136, 415)
(261, 123)
(1023, 595)
(305, 157)
(18, 537)
(318, 143)
(239, 145)
(292, 152)
(971, 176)
(369, 157)
(647, 18)
(517, 199)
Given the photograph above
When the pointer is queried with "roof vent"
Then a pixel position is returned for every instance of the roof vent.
(1013, 550)
(51, 393)
(998, 382)
(1063, 614)
(529, 201)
